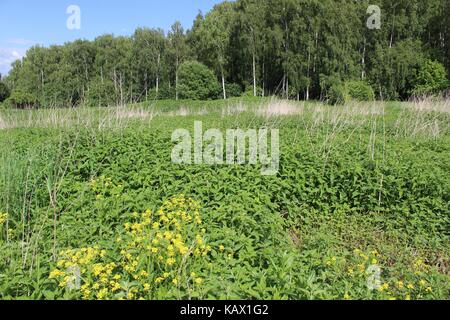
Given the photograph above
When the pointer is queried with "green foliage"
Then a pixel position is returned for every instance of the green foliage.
(233, 90)
(166, 93)
(359, 90)
(338, 94)
(431, 79)
(101, 93)
(4, 91)
(339, 204)
(197, 82)
(288, 47)
(341, 93)
(249, 92)
(22, 100)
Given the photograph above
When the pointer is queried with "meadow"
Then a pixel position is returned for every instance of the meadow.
(91, 206)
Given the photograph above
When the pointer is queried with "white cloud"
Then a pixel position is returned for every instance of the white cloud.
(8, 56)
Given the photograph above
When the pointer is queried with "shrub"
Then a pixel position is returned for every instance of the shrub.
(22, 100)
(431, 79)
(155, 251)
(166, 93)
(250, 93)
(337, 94)
(101, 93)
(359, 90)
(197, 82)
(340, 93)
(233, 90)
(4, 91)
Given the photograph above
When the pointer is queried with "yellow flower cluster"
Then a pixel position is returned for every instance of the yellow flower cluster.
(104, 187)
(154, 250)
(3, 218)
(364, 261)
(99, 184)
(168, 239)
(414, 287)
(99, 277)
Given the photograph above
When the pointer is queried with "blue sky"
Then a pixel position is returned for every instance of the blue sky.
(24, 23)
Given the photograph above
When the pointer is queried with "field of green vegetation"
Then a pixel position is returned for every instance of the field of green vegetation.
(92, 206)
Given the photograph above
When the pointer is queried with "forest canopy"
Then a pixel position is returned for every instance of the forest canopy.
(297, 49)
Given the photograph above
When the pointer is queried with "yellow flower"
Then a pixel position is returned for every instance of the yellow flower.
(3, 218)
(143, 274)
(102, 294)
(115, 286)
(97, 269)
(199, 281)
(422, 283)
(56, 274)
(10, 233)
(175, 281)
(146, 287)
(347, 297)
(429, 289)
(400, 284)
(221, 248)
(384, 287)
(410, 286)
(199, 240)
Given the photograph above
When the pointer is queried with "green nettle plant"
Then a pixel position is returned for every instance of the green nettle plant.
(431, 79)
(197, 82)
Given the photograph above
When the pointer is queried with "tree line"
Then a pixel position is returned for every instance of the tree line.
(298, 49)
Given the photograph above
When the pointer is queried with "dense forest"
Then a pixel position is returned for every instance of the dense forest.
(297, 49)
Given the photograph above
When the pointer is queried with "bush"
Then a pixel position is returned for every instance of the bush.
(4, 92)
(166, 93)
(249, 92)
(359, 90)
(22, 100)
(233, 90)
(337, 94)
(340, 93)
(431, 79)
(101, 93)
(197, 82)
